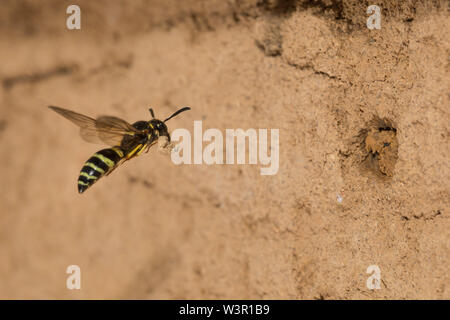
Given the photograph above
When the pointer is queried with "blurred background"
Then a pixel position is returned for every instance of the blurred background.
(154, 230)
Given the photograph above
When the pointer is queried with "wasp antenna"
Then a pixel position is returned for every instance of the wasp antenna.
(177, 113)
(151, 112)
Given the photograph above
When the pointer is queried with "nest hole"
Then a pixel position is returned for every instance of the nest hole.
(381, 146)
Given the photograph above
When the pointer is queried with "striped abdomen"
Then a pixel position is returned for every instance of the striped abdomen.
(101, 163)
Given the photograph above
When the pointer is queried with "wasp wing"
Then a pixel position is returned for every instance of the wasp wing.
(87, 125)
(111, 130)
(105, 130)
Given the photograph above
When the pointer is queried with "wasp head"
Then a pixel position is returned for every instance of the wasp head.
(160, 128)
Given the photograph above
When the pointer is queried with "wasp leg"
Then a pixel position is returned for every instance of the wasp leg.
(147, 148)
(135, 152)
(140, 151)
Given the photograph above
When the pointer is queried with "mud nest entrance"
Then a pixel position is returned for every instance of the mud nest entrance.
(381, 146)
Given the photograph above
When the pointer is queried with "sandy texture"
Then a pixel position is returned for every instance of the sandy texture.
(156, 230)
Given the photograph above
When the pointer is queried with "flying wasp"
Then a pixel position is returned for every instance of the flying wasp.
(126, 140)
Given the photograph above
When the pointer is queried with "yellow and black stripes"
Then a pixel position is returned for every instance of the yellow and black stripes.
(101, 163)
